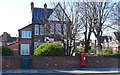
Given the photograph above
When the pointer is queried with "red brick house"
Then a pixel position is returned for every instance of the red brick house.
(47, 25)
(6, 39)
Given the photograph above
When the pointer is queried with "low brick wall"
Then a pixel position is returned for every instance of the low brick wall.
(102, 62)
(42, 61)
(12, 62)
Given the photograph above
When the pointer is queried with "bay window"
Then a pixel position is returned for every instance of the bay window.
(26, 34)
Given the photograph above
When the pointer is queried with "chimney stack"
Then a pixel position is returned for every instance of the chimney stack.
(32, 5)
(45, 6)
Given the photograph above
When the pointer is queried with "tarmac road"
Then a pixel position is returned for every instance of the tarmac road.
(86, 71)
(61, 74)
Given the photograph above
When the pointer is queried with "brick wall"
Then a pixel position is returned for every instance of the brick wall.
(11, 62)
(42, 61)
(106, 62)
(58, 62)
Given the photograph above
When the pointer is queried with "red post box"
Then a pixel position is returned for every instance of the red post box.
(83, 60)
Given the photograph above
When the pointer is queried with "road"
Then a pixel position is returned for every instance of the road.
(60, 74)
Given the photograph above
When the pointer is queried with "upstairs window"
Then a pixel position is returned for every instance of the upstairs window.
(64, 29)
(42, 29)
(52, 28)
(36, 29)
(58, 28)
(26, 34)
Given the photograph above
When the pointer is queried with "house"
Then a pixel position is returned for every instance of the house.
(13, 46)
(6, 39)
(48, 25)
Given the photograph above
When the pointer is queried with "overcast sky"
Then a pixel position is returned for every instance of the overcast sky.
(15, 14)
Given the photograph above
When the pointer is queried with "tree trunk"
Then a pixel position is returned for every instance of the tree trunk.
(87, 46)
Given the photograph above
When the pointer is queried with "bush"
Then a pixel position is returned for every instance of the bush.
(49, 49)
(79, 50)
(6, 51)
(91, 51)
(106, 51)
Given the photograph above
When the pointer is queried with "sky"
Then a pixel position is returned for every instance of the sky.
(15, 14)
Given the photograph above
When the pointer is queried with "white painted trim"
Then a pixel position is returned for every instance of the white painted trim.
(23, 48)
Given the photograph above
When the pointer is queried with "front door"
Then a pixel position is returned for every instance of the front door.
(25, 49)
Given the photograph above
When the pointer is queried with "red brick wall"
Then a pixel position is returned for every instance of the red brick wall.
(42, 62)
(58, 62)
(11, 62)
(94, 62)
(55, 62)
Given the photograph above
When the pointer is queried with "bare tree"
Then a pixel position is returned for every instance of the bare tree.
(99, 14)
(75, 25)
(86, 19)
(116, 20)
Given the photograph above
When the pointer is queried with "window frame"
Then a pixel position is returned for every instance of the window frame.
(58, 30)
(65, 29)
(42, 29)
(26, 34)
(21, 49)
(52, 28)
(36, 30)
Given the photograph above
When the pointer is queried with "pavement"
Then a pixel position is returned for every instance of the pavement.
(70, 71)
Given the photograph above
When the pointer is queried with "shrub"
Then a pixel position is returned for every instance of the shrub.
(91, 51)
(106, 51)
(49, 49)
(6, 51)
(79, 50)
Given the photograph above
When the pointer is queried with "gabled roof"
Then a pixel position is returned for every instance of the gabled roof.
(24, 27)
(40, 15)
(6, 37)
(59, 14)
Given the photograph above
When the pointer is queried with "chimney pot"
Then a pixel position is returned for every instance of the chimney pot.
(32, 5)
(45, 6)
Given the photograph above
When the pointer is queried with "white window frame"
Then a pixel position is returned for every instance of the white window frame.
(23, 48)
(42, 29)
(58, 30)
(36, 29)
(26, 34)
(65, 29)
(52, 28)
(36, 44)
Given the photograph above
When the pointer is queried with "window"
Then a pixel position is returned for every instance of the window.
(41, 29)
(64, 29)
(37, 44)
(58, 28)
(25, 49)
(36, 29)
(51, 28)
(26, 34)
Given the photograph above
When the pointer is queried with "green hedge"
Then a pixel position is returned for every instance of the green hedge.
(49, 49)
(6, 51)
(106, 51)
